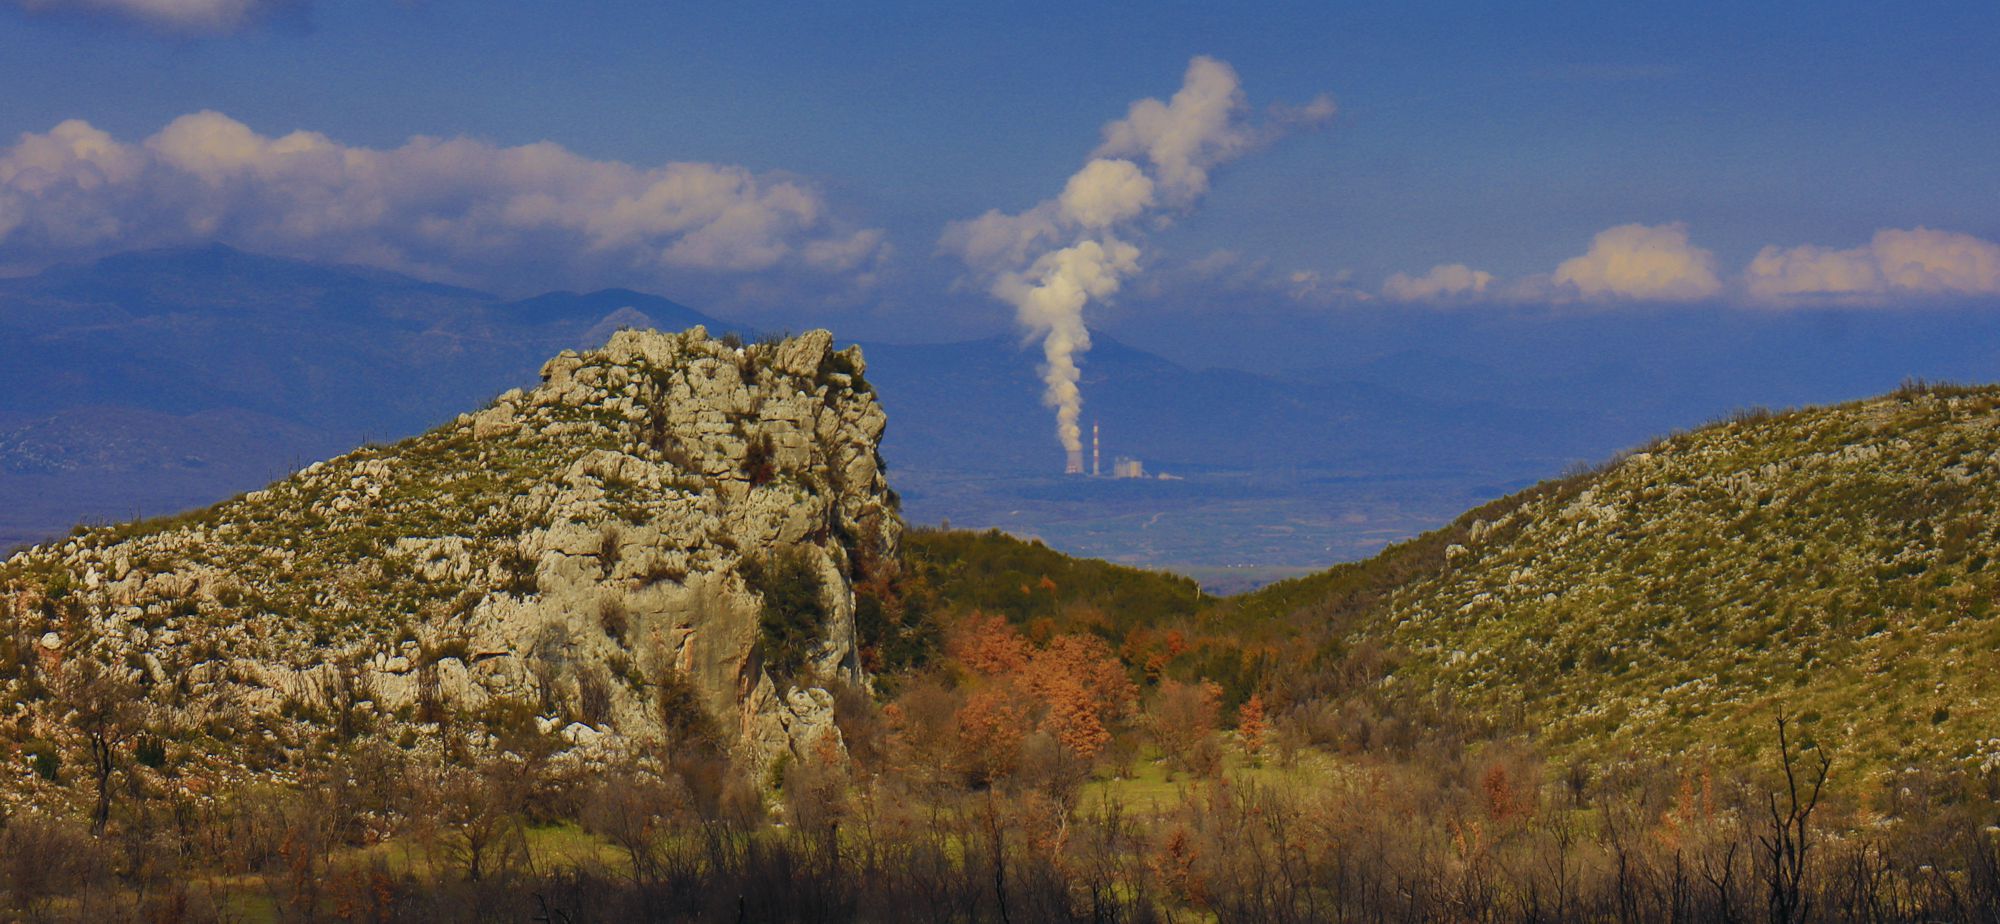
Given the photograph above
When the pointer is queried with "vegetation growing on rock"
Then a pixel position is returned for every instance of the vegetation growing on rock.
(1833, 562)
(568, 550)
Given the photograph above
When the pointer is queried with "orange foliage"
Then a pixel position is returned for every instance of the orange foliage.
(1498, 789)
(988, 645)
(1089, 663)
(1073, 718)
(991, 725)
(1182, 716)
(828, 749)
(1083, 686)
(1251, 725)
(1469, 838)
(1045, 826)
(1074, 687)
(1692, 811)
(1174, 863)
(1506, 798)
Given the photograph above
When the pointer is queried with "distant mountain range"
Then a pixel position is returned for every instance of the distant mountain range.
(155, 381)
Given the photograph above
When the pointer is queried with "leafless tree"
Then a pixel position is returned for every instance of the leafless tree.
(103, 706)
(1790, 838)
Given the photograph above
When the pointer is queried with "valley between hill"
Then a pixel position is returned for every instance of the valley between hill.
(649, 640)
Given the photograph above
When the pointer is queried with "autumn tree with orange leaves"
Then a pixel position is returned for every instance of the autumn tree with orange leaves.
(987, 645)
(1072, 688)
(1182, 719)
(1252, 726)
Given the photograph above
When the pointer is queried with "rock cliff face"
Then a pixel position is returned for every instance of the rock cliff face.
(570, 552)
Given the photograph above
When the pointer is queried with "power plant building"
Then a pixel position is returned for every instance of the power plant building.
(1122, 467)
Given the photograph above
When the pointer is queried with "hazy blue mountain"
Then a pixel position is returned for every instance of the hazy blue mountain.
(1664, 367)
(151, 381)
(975, 407)
(155, 380)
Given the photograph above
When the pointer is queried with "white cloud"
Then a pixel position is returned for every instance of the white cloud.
(996, 241)
(1914, 262)
(478, 211)
(1631, 262)
(1938, 262)
(179, 15)
(1312, 287)
(1316, 112)
(1445, 281)
(1642, 262)
(1658, 263)
(838, 255)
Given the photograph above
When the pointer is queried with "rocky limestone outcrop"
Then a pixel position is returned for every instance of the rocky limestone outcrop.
(572, 551)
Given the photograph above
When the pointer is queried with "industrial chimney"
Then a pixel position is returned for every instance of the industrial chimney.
(1094, 457)
(1075, 464)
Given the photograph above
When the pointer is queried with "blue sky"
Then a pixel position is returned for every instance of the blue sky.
(1499, 140)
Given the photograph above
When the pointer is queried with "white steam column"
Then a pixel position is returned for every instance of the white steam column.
(1056, 257)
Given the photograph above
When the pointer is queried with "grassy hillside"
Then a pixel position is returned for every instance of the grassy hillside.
(1836, 563)
(1160, 625)
(1025, 580)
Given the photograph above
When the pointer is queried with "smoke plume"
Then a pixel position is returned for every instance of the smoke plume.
(1052, 260)
(1049, 299)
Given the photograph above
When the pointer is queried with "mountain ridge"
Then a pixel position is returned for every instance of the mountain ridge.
(349, 355)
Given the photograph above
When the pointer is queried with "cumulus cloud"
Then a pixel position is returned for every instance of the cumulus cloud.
(476, 211)
(1915, 262)
(179, 15)
(1052, 259)
(1200, 128)
(1644, 263)
(1446, 281)
(1626, 263)
(997, 241)
(1658, 263)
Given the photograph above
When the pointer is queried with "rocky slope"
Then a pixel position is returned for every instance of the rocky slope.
(1838, 563)
(568, 552)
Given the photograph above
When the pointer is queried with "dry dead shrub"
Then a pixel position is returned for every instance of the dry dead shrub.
(43, 858)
